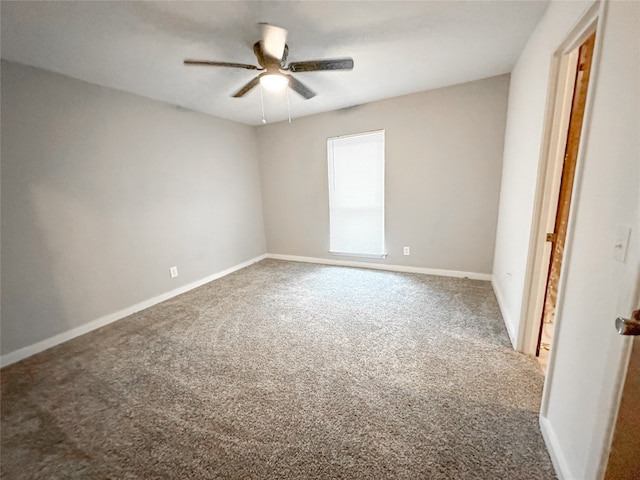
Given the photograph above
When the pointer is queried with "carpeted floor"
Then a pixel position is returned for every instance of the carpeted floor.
(285, 371)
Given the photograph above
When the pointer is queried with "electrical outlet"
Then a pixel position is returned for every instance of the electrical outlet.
(407, 251)
(173, 271)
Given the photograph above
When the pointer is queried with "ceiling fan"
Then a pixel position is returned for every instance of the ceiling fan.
(271, 52)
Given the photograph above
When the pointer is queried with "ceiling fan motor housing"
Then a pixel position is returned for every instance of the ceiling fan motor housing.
(266, 61)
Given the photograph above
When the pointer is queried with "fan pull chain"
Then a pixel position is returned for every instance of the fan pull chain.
(288, 106)
(264, 120)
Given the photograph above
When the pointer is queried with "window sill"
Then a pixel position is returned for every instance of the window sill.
(359, 255)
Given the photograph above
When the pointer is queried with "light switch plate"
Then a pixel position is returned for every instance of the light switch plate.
(621, 243)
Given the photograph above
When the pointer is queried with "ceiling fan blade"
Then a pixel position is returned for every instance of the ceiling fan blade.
(221, 64)
(273, 40)
(247, 87)
(318, 65)
(300, 87)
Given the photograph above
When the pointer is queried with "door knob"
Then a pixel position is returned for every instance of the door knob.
(629, 326)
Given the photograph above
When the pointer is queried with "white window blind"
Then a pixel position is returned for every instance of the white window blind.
(356, 194)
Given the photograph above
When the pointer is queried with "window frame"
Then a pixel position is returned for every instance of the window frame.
(331, 179)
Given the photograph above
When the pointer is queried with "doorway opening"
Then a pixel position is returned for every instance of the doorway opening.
(562, 195)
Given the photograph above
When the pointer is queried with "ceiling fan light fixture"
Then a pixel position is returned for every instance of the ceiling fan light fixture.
(274, 82)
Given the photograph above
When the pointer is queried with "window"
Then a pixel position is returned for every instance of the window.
(356, 194)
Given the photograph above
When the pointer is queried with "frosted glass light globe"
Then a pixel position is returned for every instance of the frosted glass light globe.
(274, 82)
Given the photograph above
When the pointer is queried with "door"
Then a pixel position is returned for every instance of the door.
(624, 457)
(558, 236)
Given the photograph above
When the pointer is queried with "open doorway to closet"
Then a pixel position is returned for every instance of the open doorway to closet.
(561, 191)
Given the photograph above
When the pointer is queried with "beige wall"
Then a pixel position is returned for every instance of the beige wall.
(103, 191)
(443, 163)
(87, 169)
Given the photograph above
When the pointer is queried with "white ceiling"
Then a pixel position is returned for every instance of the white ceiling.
(398, 47)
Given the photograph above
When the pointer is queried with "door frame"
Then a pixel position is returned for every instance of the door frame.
(568, 66)
(556, 123)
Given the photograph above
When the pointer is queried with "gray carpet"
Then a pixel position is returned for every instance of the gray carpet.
(285, 371)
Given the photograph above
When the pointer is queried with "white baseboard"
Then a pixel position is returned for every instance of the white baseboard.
(382, 266)
(553, 447)
(505, 314)
(17, 355)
